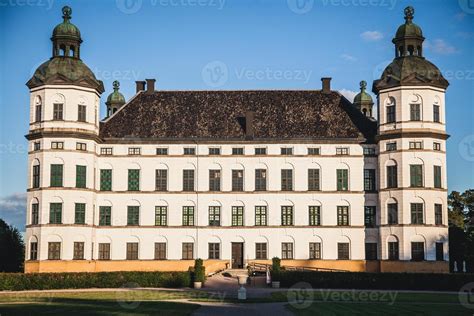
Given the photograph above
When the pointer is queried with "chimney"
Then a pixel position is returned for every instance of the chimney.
(150, 85)
(249, 115)
(140, 86)
(326, 85)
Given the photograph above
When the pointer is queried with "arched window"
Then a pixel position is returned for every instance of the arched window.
(411, 50)
(72, 51)
(62, 50)
(38, 109)
(390, 110)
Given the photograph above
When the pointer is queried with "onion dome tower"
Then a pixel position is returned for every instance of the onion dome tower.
(363, 101)
(115, 100)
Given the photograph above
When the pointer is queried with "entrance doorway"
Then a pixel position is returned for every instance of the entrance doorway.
(237, 255)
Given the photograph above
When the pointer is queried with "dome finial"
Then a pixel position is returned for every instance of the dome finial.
(409, 13)
(363, 85)
(116, 85)
(67, 13)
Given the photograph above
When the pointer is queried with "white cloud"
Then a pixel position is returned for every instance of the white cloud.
(13, 210)
(440, 46)
(349, 94)
(371, 36)
(348, 57)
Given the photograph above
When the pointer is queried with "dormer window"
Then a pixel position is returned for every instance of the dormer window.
(58, 111)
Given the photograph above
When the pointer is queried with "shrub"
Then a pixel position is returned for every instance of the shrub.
(199, 271)
(276, 269)
(49, 281)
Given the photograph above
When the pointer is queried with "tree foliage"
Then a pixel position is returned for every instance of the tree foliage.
(12, 248)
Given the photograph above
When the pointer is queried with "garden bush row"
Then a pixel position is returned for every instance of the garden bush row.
(380, 281)
(49, 281)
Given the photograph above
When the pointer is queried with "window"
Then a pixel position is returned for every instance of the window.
(36, 146)
(391, 117)
(238, 151)
(34, 214)
(188, 215)
(437, 176)
(133, 215)
(393, 250)
(57, 145)
(133, 179)
(188, 250)
(342, 151)
(314, 215)
(369, 180)
(237, 180)
(214, 180)
(38, 114)
(343, 251)
(160, 251)
(80, 213)
(260, 180)
(369, 151)
(106, 151)
(162, 151)
(161, 215)
(369, 216)
(370, 251)
(54, 251)
(416, 213)
(314, 151)
(260, 151)
(81, 173)
(286, 151)
(416, 176)
(237, 216)
(415, 114)
(104, 251)
(132, 251)
(438, 208)
(214, 251)
(417, 251)
(81, 113)
(439, 251)
(78, 253)
(214, 215)
(188, 180)
(392, 178)
(55, 213)
(214, 151)
(343, 215)
(261, 251)
(313, 180)
(260, 216)
(34, 250)
(134, 151)
(314, 250)
(56, 175)
(415, 145)
(105, 215)
(190, 151)
(36, 176)
(436, 113)
(287, 250)
(57, 111)
(286, 179)
(392, 213)
(161, 180)
(81, 146)
(437, 146)
(391, 146)
(342, 179)
(287, 216)
(106, 179)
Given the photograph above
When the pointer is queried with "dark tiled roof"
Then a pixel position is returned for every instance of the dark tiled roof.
(219, 115)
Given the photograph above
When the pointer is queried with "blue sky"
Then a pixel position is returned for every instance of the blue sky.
(259, 44)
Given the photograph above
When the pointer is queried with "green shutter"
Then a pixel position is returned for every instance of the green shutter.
(55, 213)
(133, 179)
(106, 180)
(133, 215)
(342, 179)
(80, 213)
(56, 175)
(437, 176)
(105, 213)
(81, 172)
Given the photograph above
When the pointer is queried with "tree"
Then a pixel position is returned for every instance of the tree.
(12, 248)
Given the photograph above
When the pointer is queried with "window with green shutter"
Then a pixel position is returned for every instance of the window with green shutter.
(80, 213)
(260, 215)
(237, 216)
(56, 175)
(55, 213)
(106, 179)
(416, 175)
(188, 215)
(81, 172)
(133, 179)
(161, 215)
(314, 215)
(133, 215)
(286, 215)
(437, 176)
(416, 213)
(342, 179)
(105, 215)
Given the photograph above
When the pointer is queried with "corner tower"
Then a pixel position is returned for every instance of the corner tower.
(412, 160)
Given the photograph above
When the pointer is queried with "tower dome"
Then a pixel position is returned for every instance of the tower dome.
(363, 101)
(115, 100)
(66, 29)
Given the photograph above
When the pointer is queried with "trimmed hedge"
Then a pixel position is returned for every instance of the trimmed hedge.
(380, 281)
(50, 281)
